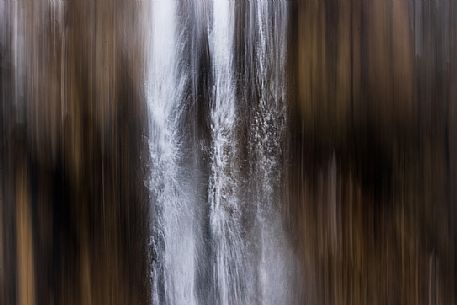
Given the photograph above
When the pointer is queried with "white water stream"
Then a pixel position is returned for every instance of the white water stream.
(213, 257)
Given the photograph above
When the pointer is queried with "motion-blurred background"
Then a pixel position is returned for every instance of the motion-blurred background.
(368, 183)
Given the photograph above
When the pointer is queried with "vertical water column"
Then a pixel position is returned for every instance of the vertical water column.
(268, 126)
(228, 273)
(172, 240)
(267, 137)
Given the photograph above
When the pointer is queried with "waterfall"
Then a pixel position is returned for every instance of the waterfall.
(172, 237)
(221, 256)
(223, 189)
(267, 139)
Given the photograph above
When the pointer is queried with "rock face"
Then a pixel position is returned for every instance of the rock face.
(74, 229)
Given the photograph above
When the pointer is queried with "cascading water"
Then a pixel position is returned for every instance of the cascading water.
(172, 237)
(228, 273)
(267, 136)
(238, 263)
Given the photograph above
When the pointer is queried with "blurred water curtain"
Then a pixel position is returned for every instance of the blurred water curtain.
(228, 152)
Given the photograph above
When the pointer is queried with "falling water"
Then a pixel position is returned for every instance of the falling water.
(245, 263)
(172, 238)
(267, 136)
(228, 272)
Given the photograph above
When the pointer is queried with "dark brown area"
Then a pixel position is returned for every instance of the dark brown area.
(74, 204)
(372, 145)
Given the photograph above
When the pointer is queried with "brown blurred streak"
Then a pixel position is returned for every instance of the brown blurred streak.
(374, 130)
(25, 273)
(355, 68)
(85, 240)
